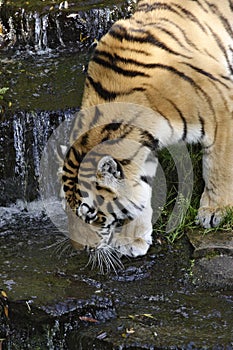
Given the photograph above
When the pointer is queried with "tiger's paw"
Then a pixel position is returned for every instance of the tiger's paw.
(210, 217)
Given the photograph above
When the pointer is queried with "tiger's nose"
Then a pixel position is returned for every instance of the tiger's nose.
(86, 213)
(82, 209)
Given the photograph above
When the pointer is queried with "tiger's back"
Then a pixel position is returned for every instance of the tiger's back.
(169, 55)
(174, 57)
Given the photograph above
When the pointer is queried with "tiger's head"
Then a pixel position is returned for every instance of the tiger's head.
(112, 212)
(107, 177)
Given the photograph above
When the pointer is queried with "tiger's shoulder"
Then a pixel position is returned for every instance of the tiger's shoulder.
(157, 45)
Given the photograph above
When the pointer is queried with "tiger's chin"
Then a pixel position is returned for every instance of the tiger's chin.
(108, 257)
(134, 246)
(106, 253)
(138, 247)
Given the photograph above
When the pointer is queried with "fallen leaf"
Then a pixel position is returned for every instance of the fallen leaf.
(88, 319)
(130, 331)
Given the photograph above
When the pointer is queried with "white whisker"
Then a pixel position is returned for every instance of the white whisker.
(106, 259)
(109, 262)
(115, 258)
(92, 260)
(100, 261)
(61, 247)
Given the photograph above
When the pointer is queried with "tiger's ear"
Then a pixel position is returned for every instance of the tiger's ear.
(108, 171)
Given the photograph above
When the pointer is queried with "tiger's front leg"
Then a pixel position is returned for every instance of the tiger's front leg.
(218, 176)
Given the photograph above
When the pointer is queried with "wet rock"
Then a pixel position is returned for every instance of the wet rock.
(213, 258)
(214, 272)
(211, 243)
(57, 302)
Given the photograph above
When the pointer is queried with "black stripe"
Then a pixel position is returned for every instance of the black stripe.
(230, 4)
(66, 188)
(136, 206)
(145, 7)
(225, 78)
(127, 129)
(222, 48)
(99, 199)
(86, 169)
(105, 94)
(104, 139)
(127, 49)
(116, 58)
(204, 72)
(184, 125)
(147, 179)
(127, 60)
(202, 122)
(84, 139)
(118, 204)
(201, 5)
(87, 176)
(119, 32)
(189, 80)
(122, 209)
(185, 128)
(124, 72)
(65, 169)
(98, 114)
(106, 189)
(86, 185)
(78, 157)
(173, 36)
(166, 118)
(190, 16)
(82, 194)
(212, 220)
(111, 127)
(71, 164)
(214, 9)
(177, 72)
(110, 208)
(108, 95)
(71, 179)
(149, 141)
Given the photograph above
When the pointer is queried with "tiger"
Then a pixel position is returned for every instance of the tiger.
(161, 77)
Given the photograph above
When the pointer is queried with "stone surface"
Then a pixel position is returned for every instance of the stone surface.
(215, 272)
(213, 258)
(211, 243)
(56, 301)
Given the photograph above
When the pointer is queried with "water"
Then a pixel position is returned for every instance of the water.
(25, 136)
(56, 302)
(43, 26)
